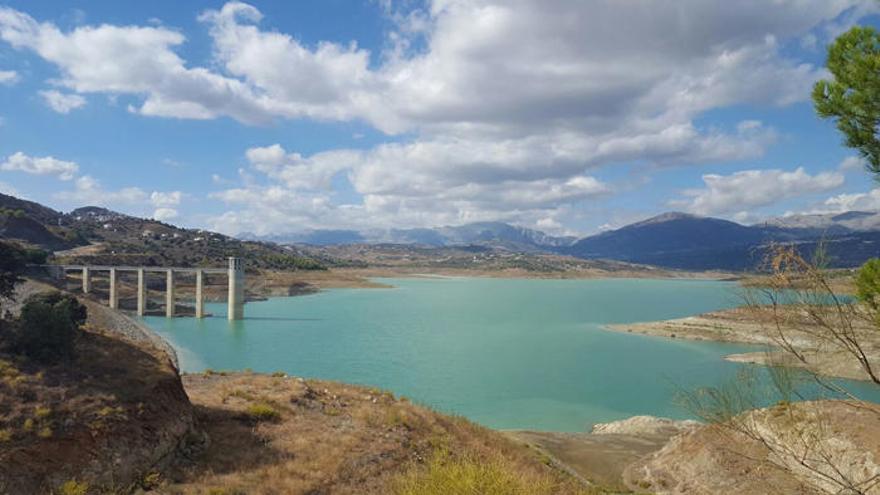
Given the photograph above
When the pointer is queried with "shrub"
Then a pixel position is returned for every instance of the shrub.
(445, 474)
(263, 412)
(74, 487)
(151, 481)
(868, 283)
(12, 264)
(48, 326)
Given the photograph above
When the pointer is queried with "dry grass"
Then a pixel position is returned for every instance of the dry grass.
(448, 474)
(58, 422)
(263, 412)
(73, 487)
(334, 438)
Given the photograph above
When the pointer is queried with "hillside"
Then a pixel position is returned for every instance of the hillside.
(402, 259)
(108, 417)
(96, 235)
(780, 449)
(281, 434)
(672, 240)
(676, 241)
(690, 242)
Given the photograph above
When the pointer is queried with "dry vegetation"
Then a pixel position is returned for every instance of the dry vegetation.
(279, 434)
(108, 414)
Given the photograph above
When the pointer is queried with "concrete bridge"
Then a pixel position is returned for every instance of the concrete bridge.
(234, 273)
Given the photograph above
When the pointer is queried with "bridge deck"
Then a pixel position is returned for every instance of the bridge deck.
(160, 269)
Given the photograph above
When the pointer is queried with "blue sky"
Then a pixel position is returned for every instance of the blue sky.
(562, 115)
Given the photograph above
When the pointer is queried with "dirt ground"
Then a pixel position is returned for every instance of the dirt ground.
(275, 434)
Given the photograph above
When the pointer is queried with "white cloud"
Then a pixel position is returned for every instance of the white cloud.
(852, 163)
(747, 189)
(507, 106)
(165, 214)
(8, 77)
(46, 165)
(9, 190)
(867, 201)
(62, 102)
(298, 172)
(432, 187)
(573, 66)
(171, 162)
(166, 199)
(88, 191)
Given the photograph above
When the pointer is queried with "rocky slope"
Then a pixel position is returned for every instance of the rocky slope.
(106, 420)
(92, 235)
(812, 445)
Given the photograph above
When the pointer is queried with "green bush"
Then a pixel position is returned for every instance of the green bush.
(13, 261)
(48, 326)
(447, 475)
(263, 412)
(868, 283)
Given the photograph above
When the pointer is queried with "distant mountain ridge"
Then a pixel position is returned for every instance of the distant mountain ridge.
(497, 235)
(860, 221)
(670, 240)
(690, 242)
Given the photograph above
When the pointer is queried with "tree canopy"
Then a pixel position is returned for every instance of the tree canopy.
(852, 95)
(12, 264)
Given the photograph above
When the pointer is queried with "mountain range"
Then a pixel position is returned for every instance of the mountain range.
(690, 242)
(671, 240)
(489, 234)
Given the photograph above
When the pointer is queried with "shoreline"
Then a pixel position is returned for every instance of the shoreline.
(740, 326)
(605, 456)
(284, 284)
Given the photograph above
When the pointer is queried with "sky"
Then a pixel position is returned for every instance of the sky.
(568, 116)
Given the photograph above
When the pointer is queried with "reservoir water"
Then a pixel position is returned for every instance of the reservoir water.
(507, 353)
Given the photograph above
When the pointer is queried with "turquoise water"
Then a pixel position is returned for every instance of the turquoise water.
(507, 353)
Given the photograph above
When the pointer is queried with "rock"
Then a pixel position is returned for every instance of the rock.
(644, 425)
(712, 459)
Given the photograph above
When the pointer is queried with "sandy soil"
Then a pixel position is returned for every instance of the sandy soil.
(601, 456)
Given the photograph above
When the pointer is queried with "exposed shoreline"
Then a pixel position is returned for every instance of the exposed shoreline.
(612, 455)
(281, 284)
(742, 326)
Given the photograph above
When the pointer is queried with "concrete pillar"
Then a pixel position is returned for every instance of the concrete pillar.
(87, 280)
(200, 294)
(114, 288)
(142, 292)
(169, 294)
(236, 289)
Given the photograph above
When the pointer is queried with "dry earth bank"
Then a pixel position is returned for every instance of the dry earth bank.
(743, 325)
